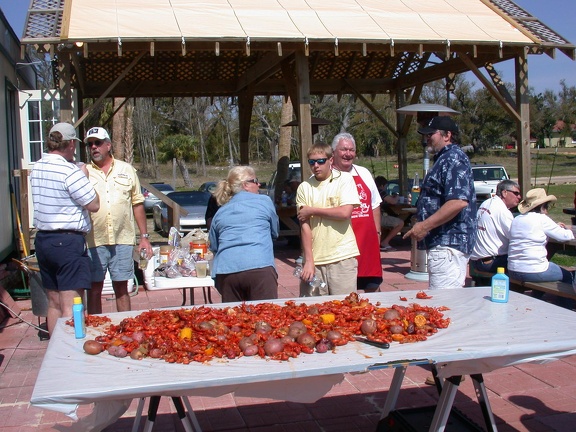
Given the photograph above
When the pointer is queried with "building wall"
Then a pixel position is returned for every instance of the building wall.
(13, 79)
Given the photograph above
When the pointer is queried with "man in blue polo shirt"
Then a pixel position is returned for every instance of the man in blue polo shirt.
(446, 207)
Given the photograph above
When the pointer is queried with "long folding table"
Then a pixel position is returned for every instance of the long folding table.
(483, 336)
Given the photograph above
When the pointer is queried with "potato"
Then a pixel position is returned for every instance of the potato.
(92, 347)
(391, 314)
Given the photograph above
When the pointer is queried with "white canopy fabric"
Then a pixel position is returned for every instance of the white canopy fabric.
(424, 21)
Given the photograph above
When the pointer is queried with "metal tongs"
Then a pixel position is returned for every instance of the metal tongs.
(383, 345)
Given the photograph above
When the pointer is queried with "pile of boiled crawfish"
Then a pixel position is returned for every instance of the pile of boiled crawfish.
(274, 331)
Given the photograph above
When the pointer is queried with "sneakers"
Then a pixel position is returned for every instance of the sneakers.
(387, 249)
(299, 260)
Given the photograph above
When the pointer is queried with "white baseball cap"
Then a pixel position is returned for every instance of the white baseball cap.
(66, 129)
(97, 132)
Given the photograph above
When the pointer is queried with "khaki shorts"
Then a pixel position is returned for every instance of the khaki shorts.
(340, 278)
(390, 221)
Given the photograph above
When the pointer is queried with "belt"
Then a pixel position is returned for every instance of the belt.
(489, 259)
(74, 232)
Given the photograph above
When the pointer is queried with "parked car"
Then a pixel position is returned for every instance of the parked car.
(195, 202)
(150, 199)
(393, 186)
(294, 171)
(486, 178)
(208, 187)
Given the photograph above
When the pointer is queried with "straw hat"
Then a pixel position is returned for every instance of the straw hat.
(534, 198)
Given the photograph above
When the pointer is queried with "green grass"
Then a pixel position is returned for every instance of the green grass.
(545, 163)
(566, 258)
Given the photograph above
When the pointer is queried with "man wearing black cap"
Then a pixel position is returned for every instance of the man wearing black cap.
(446, 207)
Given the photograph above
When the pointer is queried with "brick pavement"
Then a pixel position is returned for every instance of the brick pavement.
(530, 397)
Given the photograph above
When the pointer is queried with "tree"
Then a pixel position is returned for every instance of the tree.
(182, 148)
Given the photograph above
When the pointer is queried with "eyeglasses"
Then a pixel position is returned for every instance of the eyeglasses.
(428, 135)
(254, 180)
(322, 161)
(97, 143)
(518, 194)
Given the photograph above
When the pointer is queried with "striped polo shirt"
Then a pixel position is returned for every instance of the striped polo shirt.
(60, 190)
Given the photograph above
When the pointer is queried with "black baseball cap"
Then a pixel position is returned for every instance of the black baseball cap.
(439, 123)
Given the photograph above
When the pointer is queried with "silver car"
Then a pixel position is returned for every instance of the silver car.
(150, 199)
(195, 202)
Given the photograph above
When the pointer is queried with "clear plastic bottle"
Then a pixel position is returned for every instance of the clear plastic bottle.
(315, 282)
(415, 192)
(500, 287)
(143, 263)
(78, 316)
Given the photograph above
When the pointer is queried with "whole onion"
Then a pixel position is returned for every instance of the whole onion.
(323, 346)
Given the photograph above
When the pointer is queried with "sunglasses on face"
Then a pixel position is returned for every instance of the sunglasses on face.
(317, 161)
(97, 143)
(254, 180)
(518, 194)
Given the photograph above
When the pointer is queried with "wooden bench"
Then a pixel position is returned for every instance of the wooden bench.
(560, 289)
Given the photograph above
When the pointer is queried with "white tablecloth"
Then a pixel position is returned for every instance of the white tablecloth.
(483, 336)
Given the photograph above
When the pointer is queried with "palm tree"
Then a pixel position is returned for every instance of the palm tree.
(182, 148)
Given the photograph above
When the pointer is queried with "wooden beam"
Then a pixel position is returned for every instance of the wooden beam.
(268, 65)
(245, 105)
(523, 123)
(120, 77)
(304, 111)
(492, 89)
(373, 109)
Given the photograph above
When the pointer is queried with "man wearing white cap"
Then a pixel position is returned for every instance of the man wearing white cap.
(111, 242)
(62, 197)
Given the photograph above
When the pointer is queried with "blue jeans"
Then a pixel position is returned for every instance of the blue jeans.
(552, 274)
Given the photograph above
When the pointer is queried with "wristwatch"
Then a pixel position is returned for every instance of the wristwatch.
(145, 235)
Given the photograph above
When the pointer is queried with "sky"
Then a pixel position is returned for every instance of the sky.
(543, 72)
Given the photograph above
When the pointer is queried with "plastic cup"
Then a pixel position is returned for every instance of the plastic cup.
(201, 267)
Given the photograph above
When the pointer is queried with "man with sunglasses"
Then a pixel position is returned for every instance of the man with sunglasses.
(325, 203)
(446, 207)
(111, 241)
(494, 219)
